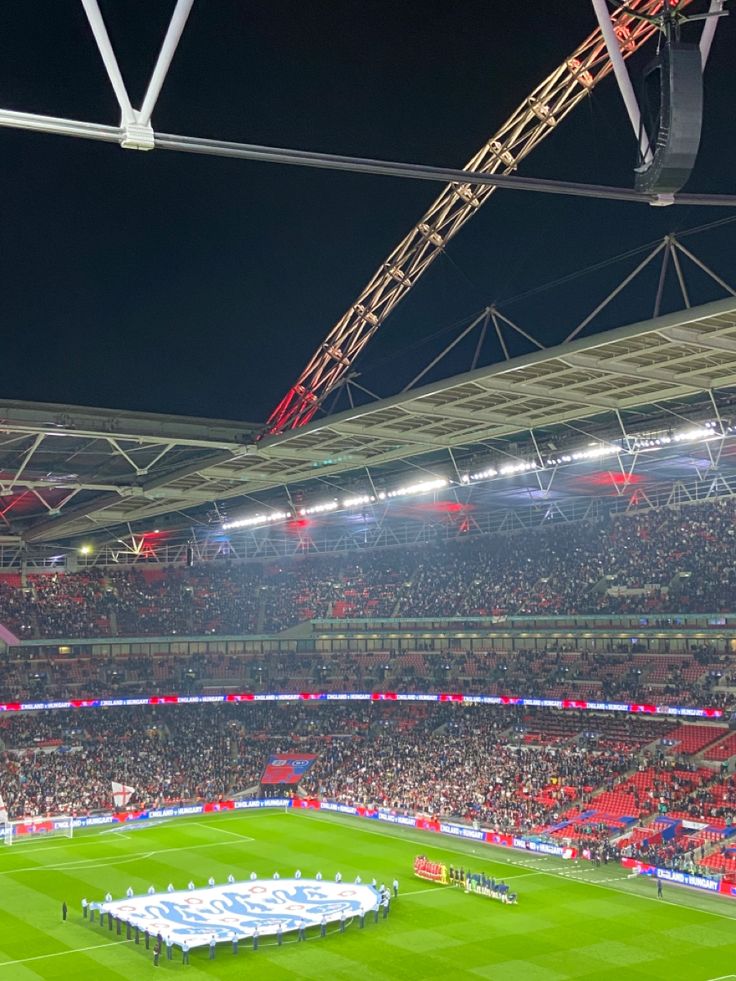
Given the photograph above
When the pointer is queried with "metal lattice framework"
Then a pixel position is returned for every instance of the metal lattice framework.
(537, 116)
(384, 530)
(88, 470)
(66, 471)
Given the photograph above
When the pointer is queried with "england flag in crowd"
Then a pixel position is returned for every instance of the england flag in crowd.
(121, 793)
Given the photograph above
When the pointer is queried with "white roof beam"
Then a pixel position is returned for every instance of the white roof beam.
(711, 341)
(642, 373)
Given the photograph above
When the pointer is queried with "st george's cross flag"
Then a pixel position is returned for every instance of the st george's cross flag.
(121, 793)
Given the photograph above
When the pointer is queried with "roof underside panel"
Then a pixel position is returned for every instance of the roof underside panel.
(671, 359)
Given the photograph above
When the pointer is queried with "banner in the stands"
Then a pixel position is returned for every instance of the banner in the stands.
(287, 768)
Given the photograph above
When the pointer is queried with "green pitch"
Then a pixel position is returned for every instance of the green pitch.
(572, 921)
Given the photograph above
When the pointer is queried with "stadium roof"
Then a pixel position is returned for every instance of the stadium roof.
(70, 471)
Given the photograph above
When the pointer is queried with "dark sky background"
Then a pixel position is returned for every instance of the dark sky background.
(184, 284)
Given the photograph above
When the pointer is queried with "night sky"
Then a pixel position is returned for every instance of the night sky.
(197, 285)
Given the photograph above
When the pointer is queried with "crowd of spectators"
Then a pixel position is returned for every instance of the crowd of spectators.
(507, 768)
(657, 562)
(54, 762)
(462, 769)
(443, 760)
(433, 759)
(700, 677)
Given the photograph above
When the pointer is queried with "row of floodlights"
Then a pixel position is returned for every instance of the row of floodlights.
(708, 430)
(596, 451)
(347, 503)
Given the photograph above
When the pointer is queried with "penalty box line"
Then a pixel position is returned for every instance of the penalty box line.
(95, 838)
(62, 953)
(224, 831)
(83, 864)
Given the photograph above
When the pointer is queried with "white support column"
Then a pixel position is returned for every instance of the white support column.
(709, 29)
(166, 54)
(622, 77)
(94, 16)
(136, 135)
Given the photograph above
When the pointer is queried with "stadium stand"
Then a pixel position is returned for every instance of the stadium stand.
(616, 786)
(466, 762)
(534, 673)
(657, 562)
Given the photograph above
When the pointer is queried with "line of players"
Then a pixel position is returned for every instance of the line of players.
(434, 871)
(482, 884)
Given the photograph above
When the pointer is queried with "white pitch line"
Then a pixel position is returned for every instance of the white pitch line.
(82, 864)
(418, 892)
(214, 827)
(554, 874)
(85, 840)
(122, 831)
(62, 953)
